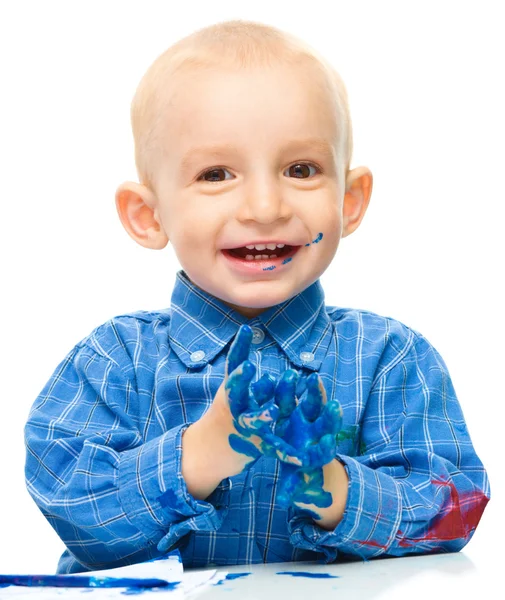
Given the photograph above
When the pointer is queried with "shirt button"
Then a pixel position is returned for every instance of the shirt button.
(306, 356)
(198, 355)
(258, 335)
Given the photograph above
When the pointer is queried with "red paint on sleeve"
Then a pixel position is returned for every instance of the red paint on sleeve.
(461, 516)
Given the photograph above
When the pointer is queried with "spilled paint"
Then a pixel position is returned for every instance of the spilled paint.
(231, 577)
(289, 259)
(85, 582)
(308, 574)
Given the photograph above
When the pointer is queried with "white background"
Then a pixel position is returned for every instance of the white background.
(425, 83)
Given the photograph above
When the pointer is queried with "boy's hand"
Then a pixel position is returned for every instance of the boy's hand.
(268, 419)
(251, 405)
(308, 432)
(256, 407)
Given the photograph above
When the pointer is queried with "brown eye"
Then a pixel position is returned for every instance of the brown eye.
(303, 168)
(214, 174)
(300, 169)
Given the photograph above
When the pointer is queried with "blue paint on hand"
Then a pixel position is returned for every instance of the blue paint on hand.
(291, 421)
(252, 405)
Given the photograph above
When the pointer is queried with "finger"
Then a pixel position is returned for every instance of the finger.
(285, 392)
(330, 420)
(301, 386)
(312, 404)
(239, 349)
(322, 453)
(263, 389)
(294, 428)
(237, 387)
(282, 450)
(259, 421)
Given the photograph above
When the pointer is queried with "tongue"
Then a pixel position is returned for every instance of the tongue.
(242, 252)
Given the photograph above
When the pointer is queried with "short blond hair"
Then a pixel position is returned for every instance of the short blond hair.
(235, 44)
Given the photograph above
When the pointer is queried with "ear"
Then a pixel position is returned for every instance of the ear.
(137, 208)
(357, 196)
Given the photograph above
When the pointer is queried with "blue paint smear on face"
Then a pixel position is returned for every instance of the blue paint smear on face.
(307, 574)
(316, 241)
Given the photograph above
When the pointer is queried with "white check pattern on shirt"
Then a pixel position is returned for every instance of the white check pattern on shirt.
(103, 439)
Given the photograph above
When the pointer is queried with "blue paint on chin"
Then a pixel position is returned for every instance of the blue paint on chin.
(307, 574)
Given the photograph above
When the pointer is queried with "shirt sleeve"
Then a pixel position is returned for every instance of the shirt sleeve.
(418, 486)
(112, 497)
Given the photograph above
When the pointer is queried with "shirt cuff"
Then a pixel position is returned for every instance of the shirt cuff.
(154, 494)
(370, 521)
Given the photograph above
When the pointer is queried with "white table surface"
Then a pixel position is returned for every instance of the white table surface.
(444, 576)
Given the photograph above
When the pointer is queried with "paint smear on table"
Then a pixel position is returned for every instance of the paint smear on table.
(307, 574)
(231, 577)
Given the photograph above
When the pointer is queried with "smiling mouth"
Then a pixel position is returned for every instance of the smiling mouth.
(253, 256)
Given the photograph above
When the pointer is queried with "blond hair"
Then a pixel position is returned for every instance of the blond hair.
(235, 44)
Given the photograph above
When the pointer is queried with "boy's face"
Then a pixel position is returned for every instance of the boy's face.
(254, 191)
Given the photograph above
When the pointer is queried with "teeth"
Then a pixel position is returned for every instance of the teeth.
(263, 246)
(260, 256)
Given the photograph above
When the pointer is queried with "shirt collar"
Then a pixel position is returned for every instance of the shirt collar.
(201, 325)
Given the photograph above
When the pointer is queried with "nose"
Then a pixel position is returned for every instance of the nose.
(264, 202)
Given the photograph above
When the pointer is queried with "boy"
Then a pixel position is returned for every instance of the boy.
(150, 435)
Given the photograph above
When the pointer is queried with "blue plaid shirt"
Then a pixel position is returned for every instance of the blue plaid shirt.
(103, 439)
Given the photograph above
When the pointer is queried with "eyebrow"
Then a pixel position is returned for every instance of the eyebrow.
(320, 145)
